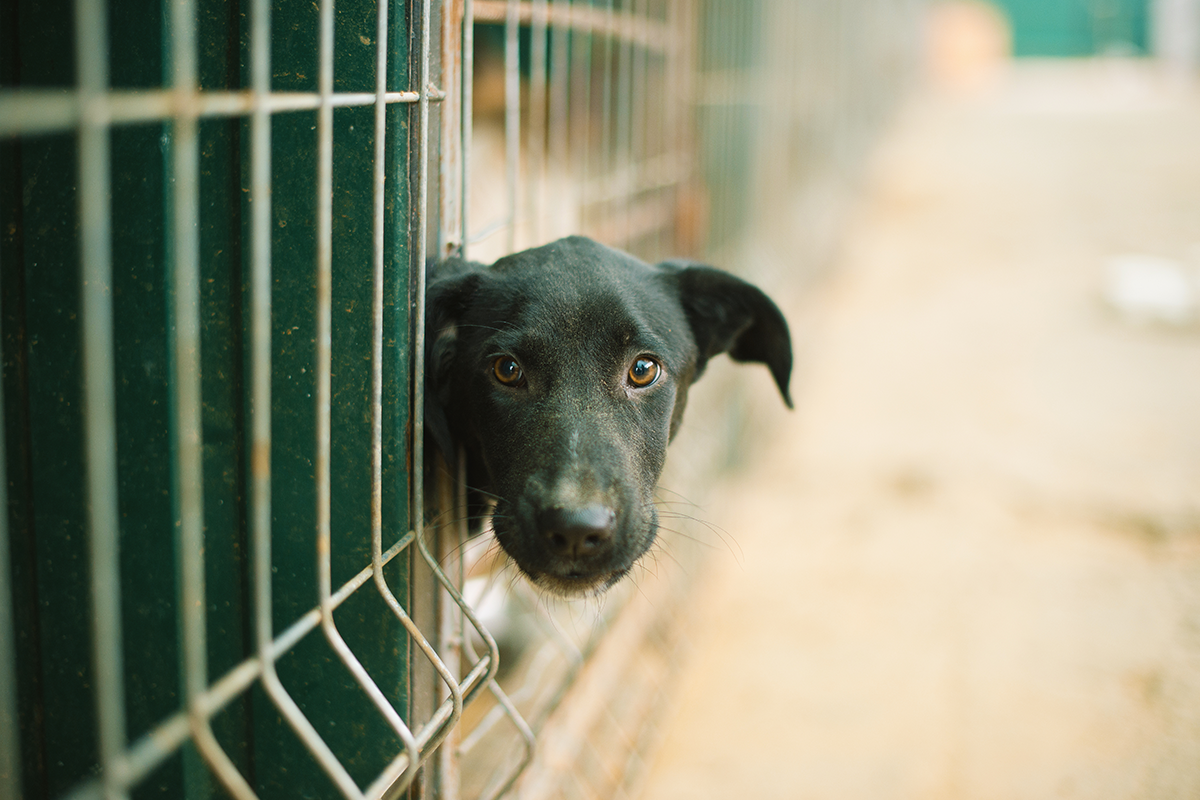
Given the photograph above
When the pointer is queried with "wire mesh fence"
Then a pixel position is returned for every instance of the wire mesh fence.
(222, 569)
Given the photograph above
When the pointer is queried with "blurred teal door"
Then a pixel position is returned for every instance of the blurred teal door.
(1077, 27)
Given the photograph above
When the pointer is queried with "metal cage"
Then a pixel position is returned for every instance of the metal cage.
(227, 566)
(212, 418)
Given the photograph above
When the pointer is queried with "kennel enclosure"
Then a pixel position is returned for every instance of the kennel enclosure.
(226, 567)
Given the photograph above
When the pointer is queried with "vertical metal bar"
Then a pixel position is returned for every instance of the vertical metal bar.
(260, 404)
(324, 361)
(841, 88)
(536, 139)
(736, 113)
(512, 115)
(606, 115)
(379, 178)
(417, 501)
(380, 175)
(452, 551)
(450, 115)
(580, 112)
(189, 467)
(418, 379)
(638, 106)
(91, 26)
(459, 31)
(650, 128)
(772, 83)
(623, 164)
(675, 96)
(466, 126)
(324, 316)
(625, 84)
(186, 288)
(418, 447)
(559, 132)
(453, 624)
(639, 95)
(476, 681)
(260, 325)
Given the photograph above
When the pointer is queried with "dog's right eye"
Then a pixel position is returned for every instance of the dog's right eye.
(644, 372)
(508, 371)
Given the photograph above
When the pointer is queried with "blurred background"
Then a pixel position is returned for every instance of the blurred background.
(968, 564)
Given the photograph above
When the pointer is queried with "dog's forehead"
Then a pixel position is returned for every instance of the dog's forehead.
(587, 293)
(573, 269)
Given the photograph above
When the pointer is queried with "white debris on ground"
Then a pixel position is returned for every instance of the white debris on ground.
(1148, 289)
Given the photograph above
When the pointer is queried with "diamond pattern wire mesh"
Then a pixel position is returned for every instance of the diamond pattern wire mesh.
(210, 652)
(93, 111)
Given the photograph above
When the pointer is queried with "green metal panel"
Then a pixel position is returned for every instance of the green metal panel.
(39, 249)
(1076, 27)
(44, 439)
(140, 183)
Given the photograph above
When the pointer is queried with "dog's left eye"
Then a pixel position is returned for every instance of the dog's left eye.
(644, 372)
(508, 371)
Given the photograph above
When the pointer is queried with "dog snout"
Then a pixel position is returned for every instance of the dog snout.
(585, 532)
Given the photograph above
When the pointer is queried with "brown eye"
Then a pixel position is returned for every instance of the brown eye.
(644, 372)
(508, 371)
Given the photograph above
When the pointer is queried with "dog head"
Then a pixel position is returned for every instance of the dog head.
(563, 372)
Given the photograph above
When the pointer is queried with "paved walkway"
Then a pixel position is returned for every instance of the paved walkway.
(968, 565)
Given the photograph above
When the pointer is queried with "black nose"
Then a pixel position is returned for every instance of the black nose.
(577, 532)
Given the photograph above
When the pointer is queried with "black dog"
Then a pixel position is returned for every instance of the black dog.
(563, 371)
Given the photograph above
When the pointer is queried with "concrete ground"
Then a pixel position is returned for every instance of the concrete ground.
(968, 564)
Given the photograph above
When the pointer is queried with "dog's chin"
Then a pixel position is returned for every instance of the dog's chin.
(575, 586)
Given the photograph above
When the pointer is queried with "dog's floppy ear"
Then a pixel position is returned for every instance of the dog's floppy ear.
(729, 315)
(446, 301)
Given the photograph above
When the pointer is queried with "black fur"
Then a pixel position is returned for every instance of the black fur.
(570, 450)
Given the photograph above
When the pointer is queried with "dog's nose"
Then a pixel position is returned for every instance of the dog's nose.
(577, 532)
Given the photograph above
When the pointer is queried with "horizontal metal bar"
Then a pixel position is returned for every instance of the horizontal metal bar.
(649, 33)
(26, 111)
